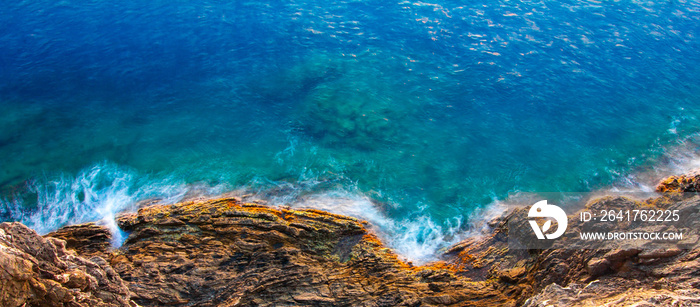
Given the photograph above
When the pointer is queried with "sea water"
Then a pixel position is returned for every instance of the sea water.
(421, 117)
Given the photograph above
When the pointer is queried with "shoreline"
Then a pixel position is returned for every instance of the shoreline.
(225, 252)
(415, 237)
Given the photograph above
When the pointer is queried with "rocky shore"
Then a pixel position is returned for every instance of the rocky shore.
(227, 252)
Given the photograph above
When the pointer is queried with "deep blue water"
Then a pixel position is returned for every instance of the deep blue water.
(416, 116)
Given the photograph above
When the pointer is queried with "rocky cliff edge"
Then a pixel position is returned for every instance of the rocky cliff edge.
(227, 252)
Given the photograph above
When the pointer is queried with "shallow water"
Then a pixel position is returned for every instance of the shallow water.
(416, 116)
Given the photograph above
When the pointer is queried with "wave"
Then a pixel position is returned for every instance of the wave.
(100, 192)
(417, 238)
(97, 194)
(681, 157)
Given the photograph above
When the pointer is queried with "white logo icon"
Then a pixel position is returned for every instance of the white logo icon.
(542, 209)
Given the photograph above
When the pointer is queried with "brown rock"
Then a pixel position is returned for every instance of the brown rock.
(570, 275)
(78, 279)
(680, 184)
(597, 266)
(513, 275)
(227, 253)
(224, 252)
(86, 239)
(659, 253)
(37, 271)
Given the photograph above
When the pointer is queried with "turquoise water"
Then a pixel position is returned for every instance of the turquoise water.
(416, 116)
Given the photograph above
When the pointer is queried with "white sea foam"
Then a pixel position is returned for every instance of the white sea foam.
(95, 194)
(679, 158)
(418, 239)
(100, 192)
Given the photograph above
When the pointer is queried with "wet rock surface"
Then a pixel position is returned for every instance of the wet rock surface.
(226, 252)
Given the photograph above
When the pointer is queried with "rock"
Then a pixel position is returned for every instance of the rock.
(222, 251)
(628, 274)
(613, 292)
(597, 267)
(37, 271)
(621, 255)
(86, 239)
(225, 252)
(680, 184)
(553, 295)
(513, 275)
(659, 253)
